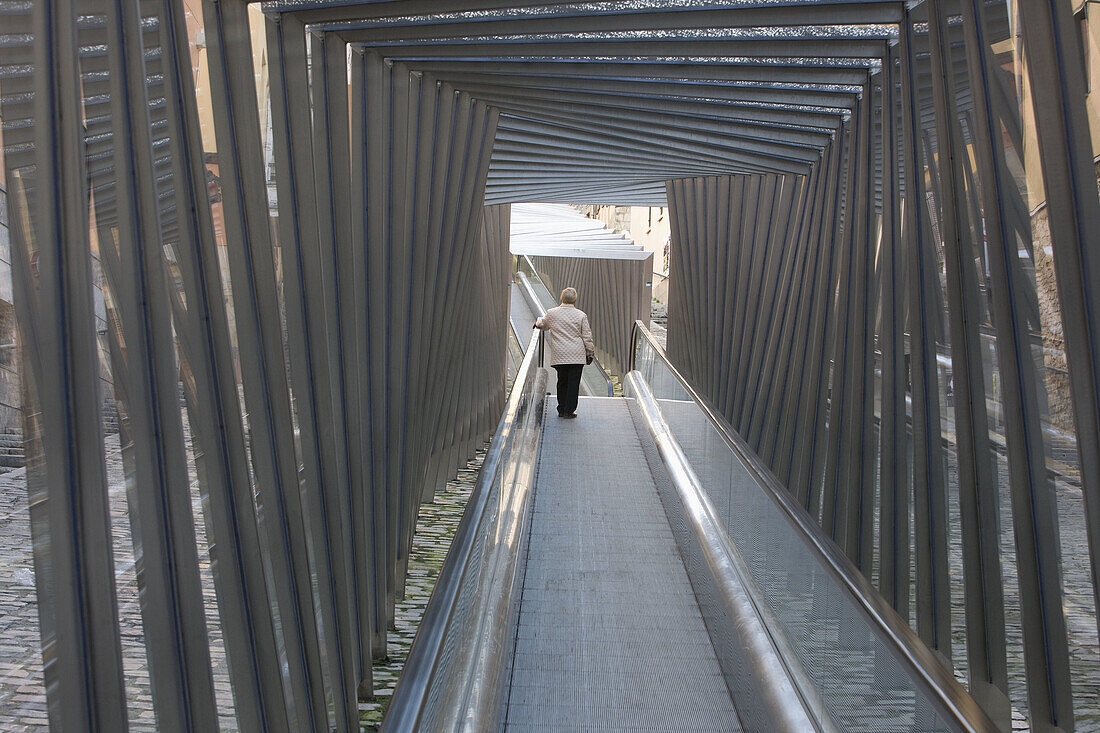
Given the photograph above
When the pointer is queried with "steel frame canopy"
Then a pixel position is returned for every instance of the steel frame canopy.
(764, 126)
(607, 101)
(828, 167)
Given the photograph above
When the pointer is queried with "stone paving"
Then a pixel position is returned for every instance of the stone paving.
(22, 697)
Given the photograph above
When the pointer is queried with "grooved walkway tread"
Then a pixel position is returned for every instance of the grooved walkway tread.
(610, 637)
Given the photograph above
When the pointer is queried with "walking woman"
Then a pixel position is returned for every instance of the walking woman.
(570, 348)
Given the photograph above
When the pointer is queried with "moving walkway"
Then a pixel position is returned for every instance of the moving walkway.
(639, 569)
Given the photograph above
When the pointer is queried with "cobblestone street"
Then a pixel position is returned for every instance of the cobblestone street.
(22, 698)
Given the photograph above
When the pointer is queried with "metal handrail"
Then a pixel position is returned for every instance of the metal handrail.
(533, 299)
(516, 334)
(415, 683)
(925, 666)
(787, 696)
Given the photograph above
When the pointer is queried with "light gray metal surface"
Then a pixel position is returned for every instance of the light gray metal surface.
(523, 320)
(820, 586)
(456, 676)
(764, 674)
(603, 588)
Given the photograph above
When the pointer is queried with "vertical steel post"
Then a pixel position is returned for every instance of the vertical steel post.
(976, 482)
(894, 489)
(52, 284)
(1073, 211)
(146, 387)
(214, 415)
(808, 413)
(311, 377)
(933, 611)
(331, 175)
(842, 392)
(259, 334)
(797, 299)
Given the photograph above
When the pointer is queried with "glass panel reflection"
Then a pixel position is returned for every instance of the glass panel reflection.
(855, 673)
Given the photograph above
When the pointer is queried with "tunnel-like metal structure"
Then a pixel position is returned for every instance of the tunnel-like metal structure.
(884, 279)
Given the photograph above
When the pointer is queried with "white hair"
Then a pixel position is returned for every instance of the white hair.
(569, 295)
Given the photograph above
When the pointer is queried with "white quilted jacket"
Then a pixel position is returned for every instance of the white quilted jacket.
(570, 335)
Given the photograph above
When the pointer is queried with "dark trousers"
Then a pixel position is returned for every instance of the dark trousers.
(569, 386)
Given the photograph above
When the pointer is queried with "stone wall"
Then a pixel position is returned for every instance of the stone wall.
(1059, 398)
